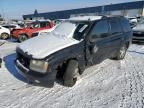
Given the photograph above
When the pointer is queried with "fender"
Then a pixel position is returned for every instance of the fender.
(64, 55)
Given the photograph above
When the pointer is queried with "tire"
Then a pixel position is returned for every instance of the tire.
(121, 53)
(22, 37)
(4, 36)
(71, 74)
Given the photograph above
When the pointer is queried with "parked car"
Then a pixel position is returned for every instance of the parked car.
(138, 32)
(11, 26)
(71, 47)
(133, 21)
(26, 33)
(58, 21)
(42, 32)
(4, 33)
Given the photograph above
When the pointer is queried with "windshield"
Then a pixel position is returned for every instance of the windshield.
(70, 30)
(65, 28)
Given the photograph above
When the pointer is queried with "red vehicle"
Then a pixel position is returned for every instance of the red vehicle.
(26, 33)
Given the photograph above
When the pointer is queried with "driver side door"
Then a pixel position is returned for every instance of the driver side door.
(98, 45)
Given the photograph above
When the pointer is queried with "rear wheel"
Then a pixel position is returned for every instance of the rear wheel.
(71, 75)
(121, 53)
(22, 38)
(4, 36)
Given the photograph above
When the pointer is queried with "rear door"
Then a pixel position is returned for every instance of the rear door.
(98, 45)
(116, 34)
(127, 30)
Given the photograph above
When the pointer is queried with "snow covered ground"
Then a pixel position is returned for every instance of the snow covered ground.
(111, 84)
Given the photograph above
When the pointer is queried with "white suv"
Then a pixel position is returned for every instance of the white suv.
(4, 33)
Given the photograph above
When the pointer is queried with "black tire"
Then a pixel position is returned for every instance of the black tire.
(71, 74)
(4, 36)
(22, 37)
(121, 53)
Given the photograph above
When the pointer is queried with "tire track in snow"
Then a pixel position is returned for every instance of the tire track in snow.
(132, 95)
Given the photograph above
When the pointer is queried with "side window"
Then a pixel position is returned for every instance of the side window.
(100, 30)
(35, 25)
(80, 30)
(125, 24)
(115, 26)
(44, 24)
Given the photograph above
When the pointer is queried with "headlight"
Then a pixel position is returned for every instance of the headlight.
(39, 66)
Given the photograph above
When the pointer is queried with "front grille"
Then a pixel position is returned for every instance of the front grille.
(135, 39)
(23, 60)
(138, 34)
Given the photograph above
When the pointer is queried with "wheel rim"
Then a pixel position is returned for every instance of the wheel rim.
(122, 52)
(4, 36)
(23, 38)
(75, 75)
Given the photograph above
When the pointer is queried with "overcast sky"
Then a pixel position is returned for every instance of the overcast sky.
(16, 8)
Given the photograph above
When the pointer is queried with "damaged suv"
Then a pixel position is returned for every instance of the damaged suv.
(71, 47)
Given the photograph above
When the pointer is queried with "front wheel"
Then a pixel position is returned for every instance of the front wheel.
(4, 36)
(22, 38)
(71, 74)
(121, 53)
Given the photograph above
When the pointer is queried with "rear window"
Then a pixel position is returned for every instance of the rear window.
(6, 26)
(115, 26)
(125, 24)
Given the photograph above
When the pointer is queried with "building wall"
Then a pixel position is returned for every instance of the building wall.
(116, 12)
(126, 9)
(133, 12)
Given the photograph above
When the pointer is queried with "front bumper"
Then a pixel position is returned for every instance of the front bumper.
(46, 80)
(138, 37)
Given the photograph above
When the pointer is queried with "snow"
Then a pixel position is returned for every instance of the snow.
(111, 84)
(42, 46)
(85, 18)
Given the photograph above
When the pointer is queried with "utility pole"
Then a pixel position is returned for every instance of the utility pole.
(142, 14)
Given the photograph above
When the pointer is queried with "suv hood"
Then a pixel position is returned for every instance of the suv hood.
(44, 45)
(139, 27)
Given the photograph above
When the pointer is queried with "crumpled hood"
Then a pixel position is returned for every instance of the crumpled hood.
(139, 27)
(44, 45)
